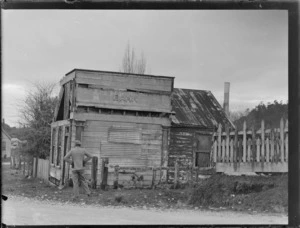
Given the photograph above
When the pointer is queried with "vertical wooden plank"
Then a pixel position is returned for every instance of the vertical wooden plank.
(248, 150)
(116, 174)
(286, 147)
(258, 149)
(267, 145)
(272, 141)
(277, 146)
(219, 143)
(240, 149)
(281, 140)
(227, 144)
(263, 141)
(231, 150)
(244, 142)
(223, 151)
(253, 156)
(215, 150)
(153, 178)
(176, 174)
(94, 172)
(235, 147)
(104, 173)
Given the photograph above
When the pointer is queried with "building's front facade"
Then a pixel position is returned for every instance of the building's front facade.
(118, 116)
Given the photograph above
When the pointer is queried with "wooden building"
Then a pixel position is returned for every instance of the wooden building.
(118, 116)
(197, 116)
(5, 144)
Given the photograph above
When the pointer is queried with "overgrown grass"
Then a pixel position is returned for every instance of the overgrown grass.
(258, 193)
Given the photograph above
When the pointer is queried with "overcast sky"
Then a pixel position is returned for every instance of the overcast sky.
(201, 49)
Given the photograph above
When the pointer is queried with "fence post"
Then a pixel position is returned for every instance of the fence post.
(263, 141)
(176, 174)
(281, 140)
(235, 147)
(116, 181)
(244, 142)
(219, 143)
(104, 173)
(253, 145)
(94, 172)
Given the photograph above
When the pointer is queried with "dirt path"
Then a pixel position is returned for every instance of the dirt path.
(24, 211)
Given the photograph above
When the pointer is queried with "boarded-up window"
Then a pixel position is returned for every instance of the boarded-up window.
(122, 134)
(202, 150)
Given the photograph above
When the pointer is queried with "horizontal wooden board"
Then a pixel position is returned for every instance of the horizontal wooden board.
(126, 81)
(123, 100)
(116, 118)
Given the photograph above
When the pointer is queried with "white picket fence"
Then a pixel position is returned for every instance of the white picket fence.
(265, 150)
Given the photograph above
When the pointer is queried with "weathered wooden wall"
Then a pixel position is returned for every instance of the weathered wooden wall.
(121, 81)
(182, 147)
(125, 144)
(125, 100)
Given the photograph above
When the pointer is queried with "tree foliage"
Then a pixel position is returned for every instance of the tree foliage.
(271, 113)
(132, 64)
(37, 114)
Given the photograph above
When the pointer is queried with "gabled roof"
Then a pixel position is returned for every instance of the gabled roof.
(197, 108)
(3, 131)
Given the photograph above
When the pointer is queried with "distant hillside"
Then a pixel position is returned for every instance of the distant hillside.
(270, 113)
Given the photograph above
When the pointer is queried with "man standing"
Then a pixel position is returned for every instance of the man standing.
(78, 161)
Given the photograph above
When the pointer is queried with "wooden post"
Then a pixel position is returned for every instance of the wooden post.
(231, 150)
(258, 149)
(253, 145)
(215, 150)
(94, 172)
(197, 175)
(24, 165)
(235, 147)
(267, 149)
(153, 178)
(286, 147)
(227, 144)
(244, 142)
(104, 173)
(116, 174)
(176, 174)
(272, 141)
(223, 151)
(263, 141)
(281, 141)
(219, 143)
(249, 150)
(286, 141)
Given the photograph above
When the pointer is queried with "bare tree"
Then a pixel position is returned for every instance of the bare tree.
(36, 112)
(132, 65)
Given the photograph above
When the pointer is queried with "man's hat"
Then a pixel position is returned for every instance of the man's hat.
(77, 142)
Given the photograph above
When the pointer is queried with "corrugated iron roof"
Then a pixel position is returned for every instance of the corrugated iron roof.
(197, 108)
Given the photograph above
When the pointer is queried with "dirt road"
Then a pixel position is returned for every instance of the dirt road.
(24, 211)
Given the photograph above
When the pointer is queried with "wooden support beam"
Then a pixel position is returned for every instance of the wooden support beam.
(116, 174)
(104, 173)
(94, 172)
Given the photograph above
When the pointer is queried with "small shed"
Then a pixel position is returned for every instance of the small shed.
(197, 116)
(5, 144)
(118, 116)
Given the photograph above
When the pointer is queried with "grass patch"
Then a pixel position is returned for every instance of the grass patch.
(259, 193)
